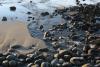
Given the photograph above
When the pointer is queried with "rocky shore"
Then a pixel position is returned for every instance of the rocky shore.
(75, 43)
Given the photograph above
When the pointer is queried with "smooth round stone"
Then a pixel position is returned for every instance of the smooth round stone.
(66, 64)
(61, 61)
(5, 63)
(39, 57)
(92, 52)
(76, 60)
(63, 52)
(12, 63)
(54, 61)
(56, 55)
(44, 64)
(97, 65)
(30, 64)
(87, 65)
(1, 54)
(2, 59)
(36, 65)
(58, 65)
(39, 61)
(97, 61)
(44, 50)
(10, 57)
(66, 57)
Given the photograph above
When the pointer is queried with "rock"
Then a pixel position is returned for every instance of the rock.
(44, 50)
(4, 19)
(66, 57)
(54, 62)
(39, 61)
(87, 65)
(92, 52)
(5, 63)
(77, 60)
(2, 59)
(64, 52)
(61, 61)
(97, 65)
(44, 64)
(36, 65)
(86, 48)
(44, 14)
(66, 64)
(30, 65)
(10, 57)
(12, 63)
(29, 13)
(12, 8)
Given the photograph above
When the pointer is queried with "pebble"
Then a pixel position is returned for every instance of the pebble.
(4, 19)
(10, 57)
(77, 60)
(5, 63)
(39, 61)
(44, 64)
(87, 65)
(12, 8)
(12, 63)
(54, 62)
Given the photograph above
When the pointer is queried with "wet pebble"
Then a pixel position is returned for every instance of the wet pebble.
(12, 63)
(39, 61)
(77, 60)
(12, 8)
(5, 63)
(45, 64)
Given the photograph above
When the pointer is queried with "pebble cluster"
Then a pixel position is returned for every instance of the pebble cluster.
(75, 43)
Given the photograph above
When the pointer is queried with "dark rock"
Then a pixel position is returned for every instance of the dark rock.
(66, 64)
(11, 57)
(12, 63)
(12, 8)
(44, 50)
(44, 64)
(44, 14)
(5, 63)
(4, 19)
(39, 61)
(54, 62)
(77, 60)
(29, 13)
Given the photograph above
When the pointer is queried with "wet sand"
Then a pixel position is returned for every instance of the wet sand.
(16, 34)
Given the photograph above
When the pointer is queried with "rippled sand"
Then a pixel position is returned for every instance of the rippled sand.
(16, 35)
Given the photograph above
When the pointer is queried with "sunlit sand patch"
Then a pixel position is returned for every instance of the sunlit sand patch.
(16, 35)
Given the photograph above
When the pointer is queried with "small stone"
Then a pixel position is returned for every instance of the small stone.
(77, 60)
(86, 48)
(30, 65)
(29, 13)
(2, 59)
(39, 61)
(5, 63)
(12, 63)
(66, 64)
(61, 61)
(12, 8)
(4, 19)
(54, 61)
(86, 65)
(97, 65)
(10, 57)
(44, 50)
(35, 65)
(44, 64)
